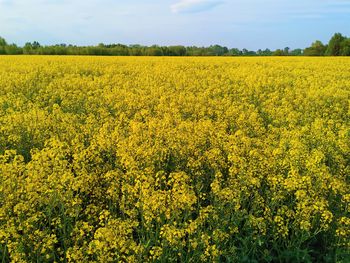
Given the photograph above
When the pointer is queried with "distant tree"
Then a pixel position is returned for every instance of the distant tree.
(118, 50)
(12, 50)
(286, 51)
(36, 45)
(251, 53)
(195, 51)
(296, 52)
(339, 45)
(317, 49)
(135, 50)
(335, 45)
(345, 47)
(60, 49)
(245, 51)
(175, 51)
(3, 42)
(27, 49)
(218, 50)
(154, 51)
(278, 52)
(267, 52)
(235, 52)
(32, 48)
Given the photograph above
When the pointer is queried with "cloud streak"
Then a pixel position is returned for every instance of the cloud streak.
(194, 6)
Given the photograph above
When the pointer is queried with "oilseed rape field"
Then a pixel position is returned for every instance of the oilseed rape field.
(125, 159)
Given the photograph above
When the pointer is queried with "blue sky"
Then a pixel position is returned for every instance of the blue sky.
(248, 24)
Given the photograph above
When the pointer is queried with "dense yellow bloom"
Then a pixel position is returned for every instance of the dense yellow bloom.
(174, 159)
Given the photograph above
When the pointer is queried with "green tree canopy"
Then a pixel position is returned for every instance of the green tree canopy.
(317, 49)
(338, 45)
(345, 47)
(335, 45)
(3, 42)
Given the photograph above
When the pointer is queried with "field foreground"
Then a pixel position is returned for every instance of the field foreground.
(174, 159)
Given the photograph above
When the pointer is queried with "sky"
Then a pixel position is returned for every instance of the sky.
(250, 24)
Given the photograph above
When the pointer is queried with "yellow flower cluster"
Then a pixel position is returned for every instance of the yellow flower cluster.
(174, 159)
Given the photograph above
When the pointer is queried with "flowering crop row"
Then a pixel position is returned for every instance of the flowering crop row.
(174, 159)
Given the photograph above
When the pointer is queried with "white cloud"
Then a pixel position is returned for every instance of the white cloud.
(194, 6)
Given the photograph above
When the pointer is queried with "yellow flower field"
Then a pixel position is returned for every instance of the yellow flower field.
(135, 159)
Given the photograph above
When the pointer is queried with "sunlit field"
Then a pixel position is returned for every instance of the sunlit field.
(135, 159)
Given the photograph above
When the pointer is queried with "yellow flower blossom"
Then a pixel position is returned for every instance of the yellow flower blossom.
(135, 159)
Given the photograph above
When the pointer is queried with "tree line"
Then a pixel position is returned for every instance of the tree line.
(338, 45)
